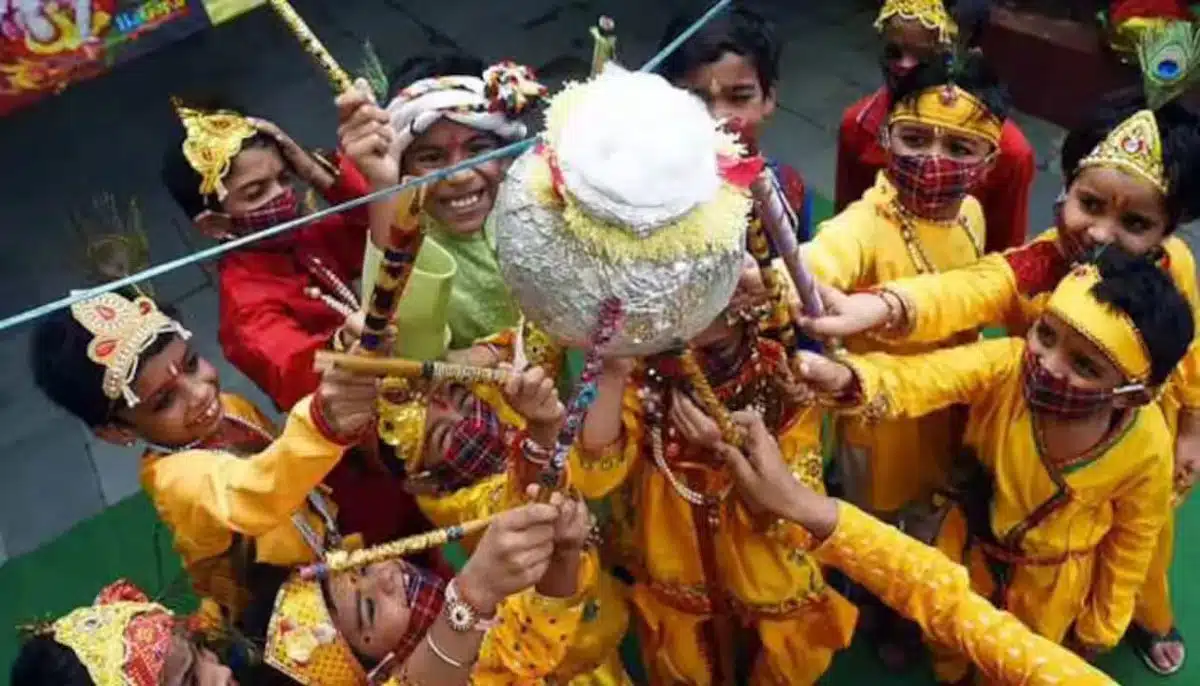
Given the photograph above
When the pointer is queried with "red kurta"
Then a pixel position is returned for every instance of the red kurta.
(1004, 196)
(270, 330)
(269, 327)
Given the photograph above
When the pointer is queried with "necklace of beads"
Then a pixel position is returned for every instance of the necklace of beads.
(912, 242)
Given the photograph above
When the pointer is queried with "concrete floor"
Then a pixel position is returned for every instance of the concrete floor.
(106, 135)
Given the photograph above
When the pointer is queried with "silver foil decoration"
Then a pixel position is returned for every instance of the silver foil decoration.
(560, 282)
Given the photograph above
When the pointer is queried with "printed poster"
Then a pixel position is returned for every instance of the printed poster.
(46, 45)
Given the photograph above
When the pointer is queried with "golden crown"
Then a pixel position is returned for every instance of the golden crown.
(302, 641)
(122, 329)
(1134, 147)
(122, 638)
(213, 140)
(931, 14)
(403, 408)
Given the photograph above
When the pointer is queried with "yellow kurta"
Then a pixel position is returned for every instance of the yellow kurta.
(986, 293)
(206, 497)
(925, 586)
(1082, 535)
(593, 657)
(888, 465)
(534, 633)
(774, 589)
(531, 636)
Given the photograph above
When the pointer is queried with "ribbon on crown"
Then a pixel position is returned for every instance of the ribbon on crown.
(122, 330)
(931, 14)
(213, 140)
(1134, 147)
(1108, 327)
(952, 108)
(122, 639)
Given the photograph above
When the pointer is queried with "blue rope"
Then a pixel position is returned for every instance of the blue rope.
(510, 150)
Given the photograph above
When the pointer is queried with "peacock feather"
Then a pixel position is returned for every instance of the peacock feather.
(372, 70)
(1168, 57)
(115, 244)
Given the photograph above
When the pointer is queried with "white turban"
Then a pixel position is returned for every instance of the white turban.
(492, 103)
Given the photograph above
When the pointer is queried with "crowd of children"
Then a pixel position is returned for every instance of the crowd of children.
(1009, 501)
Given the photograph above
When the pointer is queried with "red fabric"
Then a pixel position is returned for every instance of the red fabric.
(269, 328)
(375, 505)
(1037, 267)
(425, 592)
(740, 171)
(1124, 10)
(1005, 192)
(147, 636)
(793, 188)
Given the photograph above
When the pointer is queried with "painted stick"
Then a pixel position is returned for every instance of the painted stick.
(395, 268)
(604, 44)
(312, 45)
(608, 323)
(342, 560)
(409, 369)
(711, 404)
(780, 223)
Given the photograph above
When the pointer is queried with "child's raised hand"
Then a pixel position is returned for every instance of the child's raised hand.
(821, 373)
(533, 395)
(847, 315)
(346, 403)
(693, 425)
(366, 136)
(573, 527)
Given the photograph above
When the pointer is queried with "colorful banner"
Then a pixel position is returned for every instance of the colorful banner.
(46, 45)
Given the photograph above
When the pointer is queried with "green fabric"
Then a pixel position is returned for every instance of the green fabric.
(480, 303)
(423, 333)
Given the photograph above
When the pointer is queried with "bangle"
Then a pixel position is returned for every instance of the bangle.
(441, 654)
(535, 453)
(894, 312)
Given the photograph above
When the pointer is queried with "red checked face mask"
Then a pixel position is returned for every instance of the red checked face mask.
(1048, 394)
(282, 208)
(927, 185)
